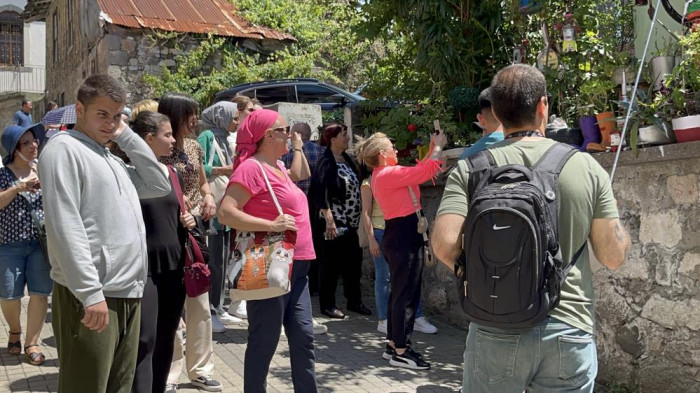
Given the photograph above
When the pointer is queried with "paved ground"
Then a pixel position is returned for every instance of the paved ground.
(348, 359)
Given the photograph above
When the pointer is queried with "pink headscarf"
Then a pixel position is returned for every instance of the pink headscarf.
(251, 132)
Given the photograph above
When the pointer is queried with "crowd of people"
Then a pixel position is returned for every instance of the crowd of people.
(104, 232)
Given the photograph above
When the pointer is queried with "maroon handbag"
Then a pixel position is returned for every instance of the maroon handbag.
(197, 276)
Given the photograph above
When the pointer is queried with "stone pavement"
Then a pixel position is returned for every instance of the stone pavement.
(348, 359)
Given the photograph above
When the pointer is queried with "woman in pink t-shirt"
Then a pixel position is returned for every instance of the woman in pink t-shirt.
(402, 245)
(248, 206)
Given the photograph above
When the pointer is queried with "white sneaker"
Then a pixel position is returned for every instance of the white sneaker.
(422, 325)
(216, 325)
(381, 326)
(228, 319)
(320, 328)
(238, 309)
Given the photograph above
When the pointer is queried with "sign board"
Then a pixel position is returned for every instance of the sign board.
(300, 113)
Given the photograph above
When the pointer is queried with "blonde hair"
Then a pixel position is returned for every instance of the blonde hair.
(367, 149)
(143, 106)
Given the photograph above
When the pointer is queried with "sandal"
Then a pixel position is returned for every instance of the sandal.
(15, 347)
(35, 358)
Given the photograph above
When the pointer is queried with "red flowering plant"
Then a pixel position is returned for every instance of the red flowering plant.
(410, 126)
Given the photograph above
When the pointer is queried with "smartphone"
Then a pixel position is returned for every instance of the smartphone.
(436, 126)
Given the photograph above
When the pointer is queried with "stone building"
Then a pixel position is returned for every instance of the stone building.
(124, 38)
(22, 72)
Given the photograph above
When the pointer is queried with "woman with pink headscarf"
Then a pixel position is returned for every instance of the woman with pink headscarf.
(248, 206)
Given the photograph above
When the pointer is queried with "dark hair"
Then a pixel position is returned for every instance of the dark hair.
(515, 92)
(178, 107)
(101, 85)
(25, 101)
(51, 106)
(485, 99)
(148, 122)
(331, 131)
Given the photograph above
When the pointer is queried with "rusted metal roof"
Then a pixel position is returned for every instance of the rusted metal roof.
(186, 16)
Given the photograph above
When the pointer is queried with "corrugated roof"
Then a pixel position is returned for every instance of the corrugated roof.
(186, 16)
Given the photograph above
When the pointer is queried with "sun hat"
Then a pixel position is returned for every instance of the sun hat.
(11, 136)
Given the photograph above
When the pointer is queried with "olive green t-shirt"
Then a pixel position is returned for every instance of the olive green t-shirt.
(585, 193)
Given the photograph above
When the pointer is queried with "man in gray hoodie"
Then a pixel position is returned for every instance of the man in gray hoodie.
(97, 239)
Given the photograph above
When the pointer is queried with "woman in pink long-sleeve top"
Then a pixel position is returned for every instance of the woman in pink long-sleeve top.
(402, 244)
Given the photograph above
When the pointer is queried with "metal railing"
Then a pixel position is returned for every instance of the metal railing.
(26, 79)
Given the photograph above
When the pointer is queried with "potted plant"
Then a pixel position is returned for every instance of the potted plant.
(662, 63)
(684, 90)
(648, 124)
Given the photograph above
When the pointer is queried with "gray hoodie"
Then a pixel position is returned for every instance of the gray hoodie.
(96, 235)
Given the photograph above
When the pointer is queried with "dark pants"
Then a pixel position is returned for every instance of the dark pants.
(219, 249)
(318, 227)
(403, 248)
(265, 320)
(161, 308)
(91, 361)
(342, 255)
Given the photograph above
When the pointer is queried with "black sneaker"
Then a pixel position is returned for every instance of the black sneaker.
(389, 352)
(207, 383)
(409, 359)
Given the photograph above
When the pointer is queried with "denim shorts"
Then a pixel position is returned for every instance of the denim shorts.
(23, 263)
(551, 357)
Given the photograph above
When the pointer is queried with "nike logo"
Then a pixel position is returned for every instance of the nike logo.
(497, 228)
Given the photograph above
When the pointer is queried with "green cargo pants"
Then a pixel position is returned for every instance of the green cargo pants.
(91, 362)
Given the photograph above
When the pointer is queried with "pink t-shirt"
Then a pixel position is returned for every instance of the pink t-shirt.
(291, 199)
(390, 186)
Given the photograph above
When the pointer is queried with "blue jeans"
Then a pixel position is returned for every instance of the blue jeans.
(552, 357)
(23, 263)
(265, 321)
(381, 282)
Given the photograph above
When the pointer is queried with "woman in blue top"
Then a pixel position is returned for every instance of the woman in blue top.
(22, 261)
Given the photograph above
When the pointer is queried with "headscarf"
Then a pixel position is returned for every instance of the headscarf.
(217, 118)
(251, 132)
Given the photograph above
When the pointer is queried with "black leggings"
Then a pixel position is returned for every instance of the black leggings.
(161, 308)
(342, 255)
(402, 247)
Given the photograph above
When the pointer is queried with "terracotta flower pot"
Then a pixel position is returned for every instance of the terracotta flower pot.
(687, 129)
(606, 124)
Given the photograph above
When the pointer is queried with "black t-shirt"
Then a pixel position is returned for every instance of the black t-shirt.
(165, 236)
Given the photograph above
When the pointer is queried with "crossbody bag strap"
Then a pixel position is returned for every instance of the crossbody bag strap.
(419, 213)
(193, 243)
(269, 186)
(222, 156)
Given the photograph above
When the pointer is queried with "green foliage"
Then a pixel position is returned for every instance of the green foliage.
(463, 98)
(684, 84)
(327, 48)
(604, 38)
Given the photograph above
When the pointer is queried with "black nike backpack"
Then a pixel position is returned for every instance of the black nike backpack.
(514, 270)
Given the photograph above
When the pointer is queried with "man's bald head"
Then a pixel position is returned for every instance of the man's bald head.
(303, 129)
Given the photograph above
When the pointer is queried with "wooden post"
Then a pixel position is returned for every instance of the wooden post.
(348, 123)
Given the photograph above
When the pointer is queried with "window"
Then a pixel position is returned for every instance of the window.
(315, 94)
(272, 95)
(55, 36)
(11, 39)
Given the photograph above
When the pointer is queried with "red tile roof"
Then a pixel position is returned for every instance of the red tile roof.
(186, 16)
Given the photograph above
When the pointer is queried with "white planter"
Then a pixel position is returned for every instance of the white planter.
(661, 67)
(652, 135)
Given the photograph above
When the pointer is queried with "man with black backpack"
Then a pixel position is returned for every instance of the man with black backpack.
(522, 213)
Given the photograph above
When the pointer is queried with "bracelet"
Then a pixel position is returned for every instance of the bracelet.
(208, 193)
(298, 150)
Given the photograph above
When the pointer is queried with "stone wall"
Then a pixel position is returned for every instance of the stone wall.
(648, 311)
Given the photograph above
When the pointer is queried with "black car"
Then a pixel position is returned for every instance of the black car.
(300, 90)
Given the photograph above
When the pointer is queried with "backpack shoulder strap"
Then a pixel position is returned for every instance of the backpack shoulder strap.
(478, 164)
(555, 158)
